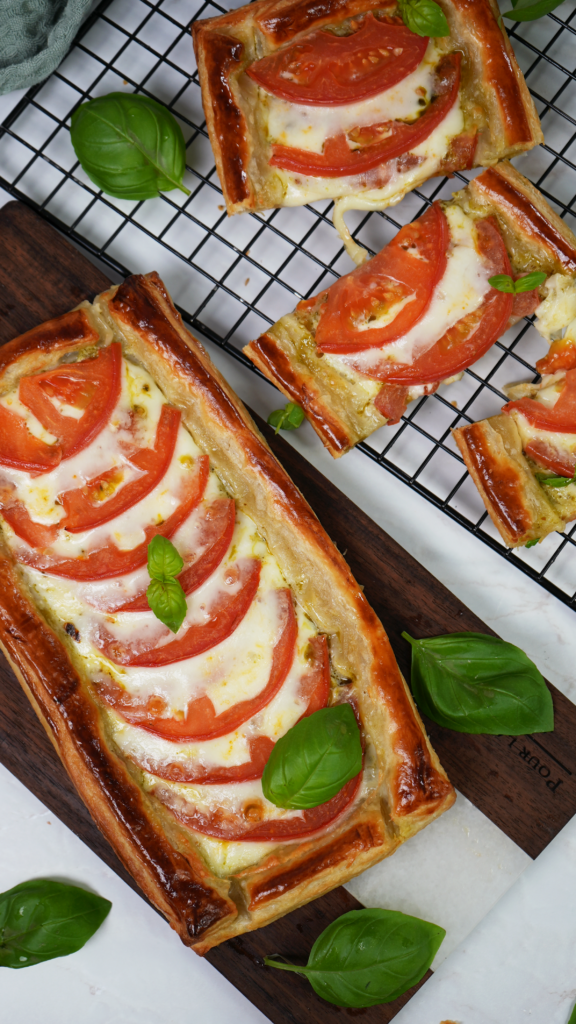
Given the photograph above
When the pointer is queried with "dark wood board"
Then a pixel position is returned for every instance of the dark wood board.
(527, 786)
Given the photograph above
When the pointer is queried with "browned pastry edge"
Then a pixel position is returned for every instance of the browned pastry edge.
(409, 787)
(515, 501)
(492, 81)
(536, 238)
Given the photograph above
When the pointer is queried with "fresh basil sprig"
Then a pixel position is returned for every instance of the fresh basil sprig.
(165, 595)
(474, 683)
(130, 146)
(556, 481)
(505, 283)
(313, 761)
(424, 17)
(368, 957)
(532, 543)
(288, 418)
(529, 10)
(41, 920)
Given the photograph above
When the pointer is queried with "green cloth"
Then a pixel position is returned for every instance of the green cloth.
(35, 36)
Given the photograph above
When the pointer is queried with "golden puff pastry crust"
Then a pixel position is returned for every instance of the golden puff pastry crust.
(343, 408)
(495, 101)
(404, 786)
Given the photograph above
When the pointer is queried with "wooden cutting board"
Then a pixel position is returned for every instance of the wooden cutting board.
(526, 785)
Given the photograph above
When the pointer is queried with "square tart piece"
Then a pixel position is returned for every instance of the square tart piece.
(419, 312)
(166, 735)
(338, 100)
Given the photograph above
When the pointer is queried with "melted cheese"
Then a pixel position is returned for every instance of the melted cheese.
(460, 292)
(556, 315)
(303, 127)
(235, 670)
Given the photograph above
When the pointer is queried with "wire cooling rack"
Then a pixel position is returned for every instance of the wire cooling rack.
(232, 278)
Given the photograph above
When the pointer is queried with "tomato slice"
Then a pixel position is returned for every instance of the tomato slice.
(199, 637)
(406, 270)
(377, 143)
(201, 721)
(19, 449)
(561, 417)
(561, 463)
(84, 507)
(314, 690)
(37, 535)
(214, 539)
(91, 386)
(326, 70)
(223, 825)
(104, 563)
(468, 339)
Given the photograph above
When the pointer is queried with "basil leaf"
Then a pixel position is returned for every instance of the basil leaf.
(368, 957)
(288, 418)
(41, 920)
(532, 543)
(313, 761)
(424, 17)
(163, 559)
(502, 283)
(529, 10)
(572, 1017)
(555, 481)
(475, 683)
(531, 281)
(130, 146)
(168, 602)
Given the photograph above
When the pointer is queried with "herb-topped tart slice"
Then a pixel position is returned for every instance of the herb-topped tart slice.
(421, 311)
(357, 104)
(222, 695)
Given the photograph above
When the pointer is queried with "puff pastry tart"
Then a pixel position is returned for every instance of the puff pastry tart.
(340, 100)
(419, 312)
(116, 427)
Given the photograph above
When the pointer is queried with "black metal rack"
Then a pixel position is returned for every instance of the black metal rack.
(233, 277)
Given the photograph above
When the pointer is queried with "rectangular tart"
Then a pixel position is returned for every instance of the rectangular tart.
(119, 428)
(460, 102)
(498, 224)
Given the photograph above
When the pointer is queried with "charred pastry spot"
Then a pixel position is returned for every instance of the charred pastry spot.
(72, 631)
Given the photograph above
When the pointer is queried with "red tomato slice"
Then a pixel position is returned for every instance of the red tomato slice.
(92, 385)
(201, 721)
(214, 539)
(223, 825)
(15, 513)
(561, 463)
(325, 70)
(560, 356)
(377, 143)
(19, 449)
(468, 339)
(561, 417)
(84, 507)
(110, 561)
(314, 689)
(410, 266)
(198, 638)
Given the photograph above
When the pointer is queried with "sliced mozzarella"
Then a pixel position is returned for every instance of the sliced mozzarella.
(303, 127)
(556, 315)
(460, 292)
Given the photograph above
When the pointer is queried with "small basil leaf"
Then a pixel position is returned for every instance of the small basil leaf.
(572, 1017)
(163, 559)
(475, 683)
(313, 761)
(555, 481)
(41, 920)
(130, 146)
(368, 957)
(168, 602)
(532, 543)
(529, 10)
(531, 281)
(424, 17)
(288, 418)
(502, 283)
